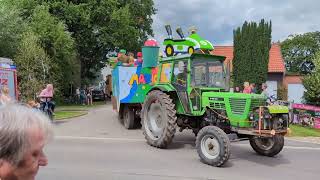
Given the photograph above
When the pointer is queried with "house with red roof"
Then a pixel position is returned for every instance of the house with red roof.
(276, 67)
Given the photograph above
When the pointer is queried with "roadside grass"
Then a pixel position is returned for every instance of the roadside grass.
(66, 111)
(59, 115)
(79, 107)
(301, 131)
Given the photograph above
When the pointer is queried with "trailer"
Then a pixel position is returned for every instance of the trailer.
(8, 78)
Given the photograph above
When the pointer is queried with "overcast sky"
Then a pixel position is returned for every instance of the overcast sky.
(216, 19)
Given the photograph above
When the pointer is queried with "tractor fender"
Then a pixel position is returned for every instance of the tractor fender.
(164, 88)
(173, 95)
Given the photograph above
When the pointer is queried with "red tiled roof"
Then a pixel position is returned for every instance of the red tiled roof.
(226, 51)
(276, 62)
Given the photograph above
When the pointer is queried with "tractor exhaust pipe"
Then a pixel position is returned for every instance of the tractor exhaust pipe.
(169, 31)
(180, 33)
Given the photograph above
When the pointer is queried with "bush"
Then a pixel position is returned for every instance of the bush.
(282, 93)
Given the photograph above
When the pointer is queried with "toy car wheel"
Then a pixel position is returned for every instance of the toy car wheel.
(267, 146)
(169, 50)
(158, 119)
(190, 50)
(128, 118)
(213, 146)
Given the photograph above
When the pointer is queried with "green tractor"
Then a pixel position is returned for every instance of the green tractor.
(189, 45)
(191, 92)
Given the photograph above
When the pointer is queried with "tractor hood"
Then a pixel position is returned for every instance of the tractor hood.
(211, 95)
(236, 105)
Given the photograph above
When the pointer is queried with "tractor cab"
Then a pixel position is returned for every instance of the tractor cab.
(193, 74)
(208, 72)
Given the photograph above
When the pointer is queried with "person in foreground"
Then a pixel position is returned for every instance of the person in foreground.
(23, 134)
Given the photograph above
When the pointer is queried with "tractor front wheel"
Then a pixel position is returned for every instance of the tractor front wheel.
(267, 146)
(158, 119)
(213, 146)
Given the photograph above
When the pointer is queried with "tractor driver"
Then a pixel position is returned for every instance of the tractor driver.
(181, 77)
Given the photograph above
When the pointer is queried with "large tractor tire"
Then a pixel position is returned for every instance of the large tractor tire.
(128, 118)
(267, 146)
(158, 119)
(213, 146)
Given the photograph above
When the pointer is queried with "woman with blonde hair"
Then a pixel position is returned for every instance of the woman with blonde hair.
(5, 97)
(247, 88)
(46, 96)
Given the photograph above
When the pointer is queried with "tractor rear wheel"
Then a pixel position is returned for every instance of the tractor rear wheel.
(128, 117)
(213, 146)
(267, 146)
(158, 118)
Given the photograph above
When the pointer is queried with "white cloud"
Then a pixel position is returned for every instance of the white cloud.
(216, 19)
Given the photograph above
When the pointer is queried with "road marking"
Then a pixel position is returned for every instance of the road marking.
(301, 140)
(303, 148)
(96, 138)
(288, 147)
(143, 140)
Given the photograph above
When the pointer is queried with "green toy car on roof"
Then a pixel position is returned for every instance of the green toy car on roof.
(186, 45)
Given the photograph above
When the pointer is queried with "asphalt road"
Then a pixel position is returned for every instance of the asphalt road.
(98, 147)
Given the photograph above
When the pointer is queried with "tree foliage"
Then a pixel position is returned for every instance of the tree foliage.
(299, 50)
(252, 43)
(11, 29)
(75, 35)
(33, 65)
(101, 26)
(60, 47)
(49, 33)
(311, 82)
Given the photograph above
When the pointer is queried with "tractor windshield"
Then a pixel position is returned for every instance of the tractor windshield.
(206, 73)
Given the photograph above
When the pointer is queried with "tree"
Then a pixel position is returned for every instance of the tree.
(299, 50)
(59, 46)
(311, 82)
(101, 26)
(53, 38)
(252, 43)
(32, 64)
(77, 35)
(11, 29)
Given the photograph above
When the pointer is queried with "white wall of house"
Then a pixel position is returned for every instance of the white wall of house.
(295, 92)
(272, 88)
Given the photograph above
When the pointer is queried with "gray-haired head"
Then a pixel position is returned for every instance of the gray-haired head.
(15, 121)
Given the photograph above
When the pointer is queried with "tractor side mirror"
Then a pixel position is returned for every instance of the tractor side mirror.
(227, 76)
